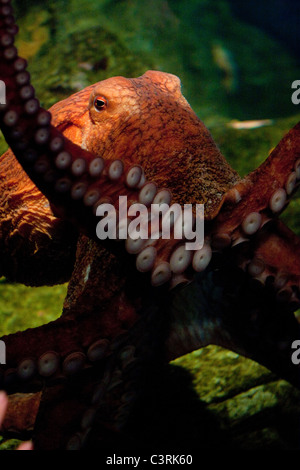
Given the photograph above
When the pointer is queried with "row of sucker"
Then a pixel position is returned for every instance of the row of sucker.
(107, 393)
(285, 289)
(50, 364)
(254, 221)
(121, 383)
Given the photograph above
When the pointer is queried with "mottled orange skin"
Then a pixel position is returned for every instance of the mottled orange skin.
(148, 122)
(32, 239)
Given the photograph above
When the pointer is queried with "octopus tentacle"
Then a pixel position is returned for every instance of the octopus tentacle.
(33, 242)
(87, 331)
(106, 393)
(277, 179)
(248, 221)
(43, 353)
(277, 249)
(86, 365)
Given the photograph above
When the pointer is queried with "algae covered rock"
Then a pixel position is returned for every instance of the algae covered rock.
(251, 405)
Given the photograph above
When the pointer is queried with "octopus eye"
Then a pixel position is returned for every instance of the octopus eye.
(100, 103)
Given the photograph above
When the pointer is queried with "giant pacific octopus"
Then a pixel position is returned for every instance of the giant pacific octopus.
(132, 305)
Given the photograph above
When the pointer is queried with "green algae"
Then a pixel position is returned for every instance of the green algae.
(85, 58)
(10, 444)
(34, 33)
(24, 307)
(255, 409)
(123, 38)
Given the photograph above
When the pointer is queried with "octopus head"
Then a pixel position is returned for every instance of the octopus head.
(129, 118)
(146, 121)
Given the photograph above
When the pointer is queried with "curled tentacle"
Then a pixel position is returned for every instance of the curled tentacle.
(61, 348)
(248, 217)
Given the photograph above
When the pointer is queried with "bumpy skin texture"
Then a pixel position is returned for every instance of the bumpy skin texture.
(32, 240)
(81, 375)
(139, 113)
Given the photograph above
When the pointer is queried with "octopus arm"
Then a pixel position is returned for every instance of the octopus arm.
(36, 247)
(264, 193)
(248, 220)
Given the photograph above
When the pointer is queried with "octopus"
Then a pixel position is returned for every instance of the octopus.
(132, 305)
